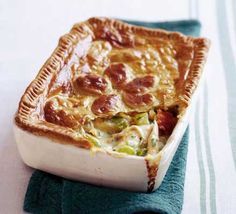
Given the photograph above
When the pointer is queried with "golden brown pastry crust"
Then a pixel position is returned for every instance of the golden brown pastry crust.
(29, 112)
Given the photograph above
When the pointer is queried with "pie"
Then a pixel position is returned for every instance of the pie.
(114, 87)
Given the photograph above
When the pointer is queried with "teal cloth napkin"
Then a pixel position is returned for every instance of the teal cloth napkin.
(47, 193)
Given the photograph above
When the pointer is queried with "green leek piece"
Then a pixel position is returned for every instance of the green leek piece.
(93, 140)
(120, 122)
(142, 152)
(141, 119)
(126, 149)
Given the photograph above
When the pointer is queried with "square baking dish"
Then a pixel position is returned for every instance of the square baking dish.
(58, 150)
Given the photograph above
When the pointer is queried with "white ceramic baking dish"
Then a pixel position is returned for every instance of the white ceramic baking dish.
(101, 168)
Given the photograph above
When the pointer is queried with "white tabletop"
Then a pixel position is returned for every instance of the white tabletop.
(29, 31)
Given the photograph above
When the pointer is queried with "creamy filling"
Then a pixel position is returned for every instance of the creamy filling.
(136, 134)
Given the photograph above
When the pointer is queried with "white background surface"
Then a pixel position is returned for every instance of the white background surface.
(29, 31)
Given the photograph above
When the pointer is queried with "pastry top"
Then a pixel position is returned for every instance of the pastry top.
(108, 81)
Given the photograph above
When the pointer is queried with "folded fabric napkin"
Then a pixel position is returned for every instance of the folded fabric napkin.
(47, 193)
